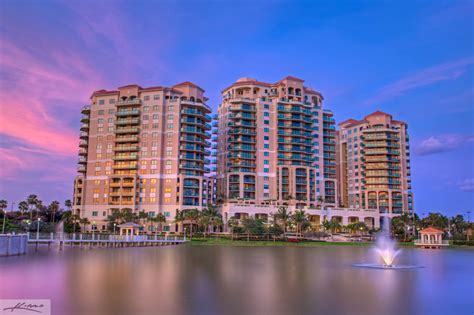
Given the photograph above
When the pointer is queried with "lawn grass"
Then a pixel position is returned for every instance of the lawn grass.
(253, 243)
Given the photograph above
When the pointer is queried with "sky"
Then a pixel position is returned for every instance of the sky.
(412, 59)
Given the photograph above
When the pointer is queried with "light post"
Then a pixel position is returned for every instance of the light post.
(93, 230)
(115, 224)
(38, 229)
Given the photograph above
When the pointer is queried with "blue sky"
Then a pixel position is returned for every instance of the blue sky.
(413, 59)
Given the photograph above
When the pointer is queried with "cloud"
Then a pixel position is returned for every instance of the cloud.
(467, 185)
(443, 143)
(443, 72)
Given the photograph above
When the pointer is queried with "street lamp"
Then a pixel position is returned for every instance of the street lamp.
(38, 229)
(93, 229)
(115, 224)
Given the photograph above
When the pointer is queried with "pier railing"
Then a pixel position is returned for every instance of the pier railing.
(99, 237)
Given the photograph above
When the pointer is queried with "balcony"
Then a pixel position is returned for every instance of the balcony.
(127, 130)
(125, 166)
(83, 151)
(82, 160)
(81, 168)
(135, 101)
(86, 109)
(84, 127)
(126, 148)
(83, 135)
(133, 121)
(83, 143)
(126, 139)
(124, 113)
(125, 157)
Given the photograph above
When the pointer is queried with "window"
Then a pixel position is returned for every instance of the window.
(111, 111)
(266, 153)
(146, 108)
(266, 138)
(266, 122)
(156, 97)
(266, 170)
(112, 101)
(94, 213)
(266, 162)
(146, 98)
(266, 114)
(266, 146)
(266, 106)
(101, 102)
(101, 112)
(266, 129)
(167, 214)
(170, 126)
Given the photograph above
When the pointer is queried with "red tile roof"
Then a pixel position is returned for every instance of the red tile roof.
(378, 113)
(291, 78)
(431, 230)
(187, 83)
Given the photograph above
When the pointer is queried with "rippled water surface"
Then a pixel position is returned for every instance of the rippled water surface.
(240, 280)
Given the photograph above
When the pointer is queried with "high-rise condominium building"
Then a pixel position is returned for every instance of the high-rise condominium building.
(374, 164)
(276, 145)
(143, 149)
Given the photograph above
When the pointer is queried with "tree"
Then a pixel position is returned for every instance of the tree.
(232, 223)
(283, 216)
(142, 215)
(68, 204)
(436, 220)
(253, 226)
(191, 215)
(3, 204)
(299, 218)
(160, 219)
(179, 217)
(23, 206)
(209, 218)
(53, 208)
(333, 225)
(32, 200)
(85, 222)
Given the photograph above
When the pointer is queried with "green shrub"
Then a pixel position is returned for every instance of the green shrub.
(464, 243)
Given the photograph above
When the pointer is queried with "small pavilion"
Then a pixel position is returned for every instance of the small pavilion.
(129, 228)
(431, 238)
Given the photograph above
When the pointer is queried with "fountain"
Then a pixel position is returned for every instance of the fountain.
(386, 251)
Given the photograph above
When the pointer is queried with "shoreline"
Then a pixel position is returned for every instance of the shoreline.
(264, 243)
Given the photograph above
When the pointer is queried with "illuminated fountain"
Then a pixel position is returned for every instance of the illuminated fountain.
(385, 249)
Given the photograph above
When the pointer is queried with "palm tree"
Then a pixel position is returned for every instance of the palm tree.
(68, 204)
(53, 207)
(209, 218)
(23, 206)
(232, 223)
(179, 217)
(283, 216)
(192, 216)
(331, 225)
(32, 200)
(142, 215)
(85, 222)
(160, 219)
(3, 204)
(299, 218)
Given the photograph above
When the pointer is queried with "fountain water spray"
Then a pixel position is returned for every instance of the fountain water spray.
(385, 246)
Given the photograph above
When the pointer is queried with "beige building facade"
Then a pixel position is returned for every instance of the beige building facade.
(270, 143)
(374, 164)
(144, 149)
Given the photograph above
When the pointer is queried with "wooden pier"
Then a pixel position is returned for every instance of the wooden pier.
(102, 240)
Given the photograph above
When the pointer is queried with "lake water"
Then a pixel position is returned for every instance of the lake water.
(189, 279)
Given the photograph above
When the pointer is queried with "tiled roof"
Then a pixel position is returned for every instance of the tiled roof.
(431, 230)
(187, 83)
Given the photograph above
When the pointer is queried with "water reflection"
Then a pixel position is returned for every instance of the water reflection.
(239, 280)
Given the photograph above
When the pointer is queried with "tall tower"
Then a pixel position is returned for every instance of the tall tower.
(270, 143)
(374, 168)
(143, 149)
